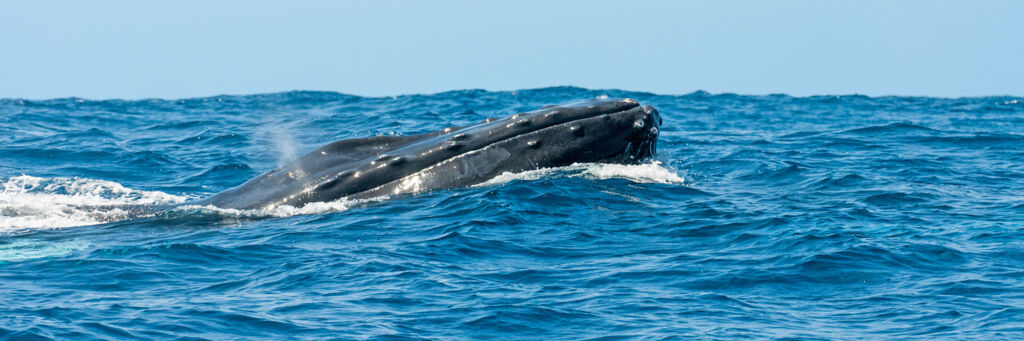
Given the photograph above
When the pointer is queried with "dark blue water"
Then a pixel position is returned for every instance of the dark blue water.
(762, 216)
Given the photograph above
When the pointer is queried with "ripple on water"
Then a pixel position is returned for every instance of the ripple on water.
(761, 217)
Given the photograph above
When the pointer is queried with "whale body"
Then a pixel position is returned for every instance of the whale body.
(607, 130)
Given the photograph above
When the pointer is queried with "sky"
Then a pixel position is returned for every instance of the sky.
(186, 48)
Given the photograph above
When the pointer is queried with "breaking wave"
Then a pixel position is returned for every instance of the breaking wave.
(28, 202)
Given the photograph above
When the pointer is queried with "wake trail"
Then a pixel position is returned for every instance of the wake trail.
(28, 202)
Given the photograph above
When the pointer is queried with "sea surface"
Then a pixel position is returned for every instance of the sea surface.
(824, 217)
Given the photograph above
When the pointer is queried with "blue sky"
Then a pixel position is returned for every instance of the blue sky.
(174, 49)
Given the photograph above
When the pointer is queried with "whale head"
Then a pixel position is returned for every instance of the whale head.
(611, 131)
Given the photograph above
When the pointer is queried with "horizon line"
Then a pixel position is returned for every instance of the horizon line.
(700, 92)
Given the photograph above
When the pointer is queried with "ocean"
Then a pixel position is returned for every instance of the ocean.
(764, 217)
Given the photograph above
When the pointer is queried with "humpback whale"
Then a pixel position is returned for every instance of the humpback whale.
(606, 130)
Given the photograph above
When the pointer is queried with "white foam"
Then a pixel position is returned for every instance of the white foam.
(28, 202)
(280, 211)
(652, 172)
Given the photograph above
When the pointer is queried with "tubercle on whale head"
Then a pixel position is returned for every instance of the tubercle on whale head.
(635, 126)
(574, 111)
(467, 138)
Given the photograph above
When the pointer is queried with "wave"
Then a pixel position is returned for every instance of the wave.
(28, 202)
(652, 172)
(20, 250)
(275, 212)
(891, 128)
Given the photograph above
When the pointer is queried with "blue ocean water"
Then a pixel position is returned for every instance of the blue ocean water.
(826, 217)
